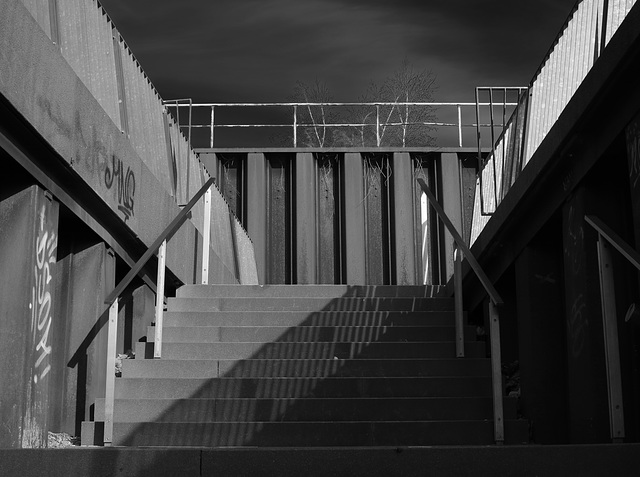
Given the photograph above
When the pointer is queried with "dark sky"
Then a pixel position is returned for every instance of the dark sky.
(255, 50)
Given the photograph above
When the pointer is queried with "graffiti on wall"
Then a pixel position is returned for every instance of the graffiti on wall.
(633, 152)
(46, 245)
(123, 183)
(94, 156)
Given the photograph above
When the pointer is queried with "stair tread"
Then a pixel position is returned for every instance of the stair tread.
(310, 290)
(317, 433)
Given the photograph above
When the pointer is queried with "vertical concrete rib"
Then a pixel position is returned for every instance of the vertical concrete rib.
(256, 210)
(404, 227)
(306, 233)
(354, 219)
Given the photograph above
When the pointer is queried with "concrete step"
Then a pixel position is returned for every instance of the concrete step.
(317, 291)
(345, 387)
(165, 368)
(620, 460)
(310, 304)
(306, 334)
(306, 318)
(305, 409)
(316, 434)
(247, 350)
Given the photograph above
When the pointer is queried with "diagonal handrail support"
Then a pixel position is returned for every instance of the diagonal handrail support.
(608, 239)
(494, 319)
(112, 303)
(614, 239)
(482, 276)
(166, 234)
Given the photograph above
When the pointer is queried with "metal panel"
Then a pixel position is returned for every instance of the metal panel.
(84, 33)
(257, 210)
(39, 9)
(85, 278)
(403, 197)
(330, 263)
(378, 193)
(427, 223)
(28, 254)
(245, 256)
(306, 213)
(354, 218)
(280, 216)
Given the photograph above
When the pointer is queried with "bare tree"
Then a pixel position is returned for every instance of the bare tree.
(397, 124)
(320, 117)
(407, 125)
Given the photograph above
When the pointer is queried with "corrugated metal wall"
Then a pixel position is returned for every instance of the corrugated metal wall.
(98, 54)
(85, 41)
(572, 56)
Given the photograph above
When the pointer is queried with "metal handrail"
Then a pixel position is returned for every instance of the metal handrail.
(159, 245)
(166, 234)
(606, 238)
(494, 301)
(379, 124)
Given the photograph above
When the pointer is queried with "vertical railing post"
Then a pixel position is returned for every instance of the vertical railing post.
(459, 125)
(459, 313)
(206, 230)
(378, 125)
(295, 125)
(212, 126)
(157, 344)
(109, 397)
(496, 373)
(611, 345)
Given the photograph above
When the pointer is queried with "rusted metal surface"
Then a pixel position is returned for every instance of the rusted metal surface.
(28, 255)
(329, 214)
(280, 216)
(406, 246)
(86, 275)
(378, 219)
(39, 9)
(427, 234)
(305, 218)
(85, 40)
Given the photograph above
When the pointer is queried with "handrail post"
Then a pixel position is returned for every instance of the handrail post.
(378, 125)
(206, 230)
(496, 373)
(459, 125)
(112, 336)
(212, 126)
(459, 313)
(157, 344)
(611, 345)
(295, 125)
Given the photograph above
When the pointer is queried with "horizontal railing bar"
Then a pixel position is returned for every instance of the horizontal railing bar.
(208, 126)
(614, 239)
(383, 103)
(486, 283)
(167, 233)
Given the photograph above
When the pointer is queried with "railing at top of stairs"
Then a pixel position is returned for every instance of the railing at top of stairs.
(494, 301)
(159, 246)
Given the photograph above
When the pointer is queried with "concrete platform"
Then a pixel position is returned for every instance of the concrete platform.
(620, 460)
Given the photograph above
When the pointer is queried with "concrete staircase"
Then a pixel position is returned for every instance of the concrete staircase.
(308, 365)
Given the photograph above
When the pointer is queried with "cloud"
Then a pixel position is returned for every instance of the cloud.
(251, 50)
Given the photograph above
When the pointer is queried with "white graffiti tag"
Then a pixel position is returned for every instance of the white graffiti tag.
(46, 244)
